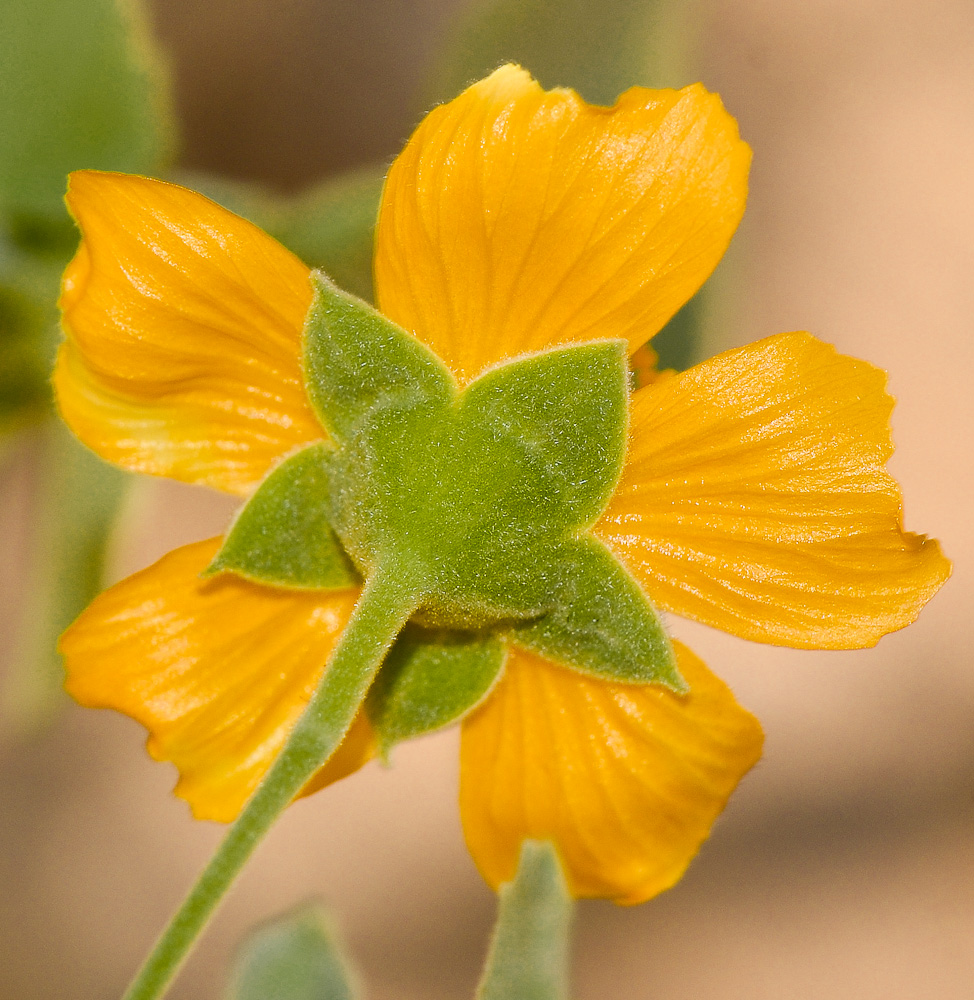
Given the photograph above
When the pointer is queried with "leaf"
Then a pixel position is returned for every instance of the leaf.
(297, 957)
(331, 227)
(80, 496)
(431, 679)
(24, 364)
(678, 342)
(282, 535)
(602, 623)
(81, 88)
(597, 47)
(528, 958)
(356, 360)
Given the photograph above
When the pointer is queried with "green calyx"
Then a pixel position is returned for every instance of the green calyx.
(481, 497)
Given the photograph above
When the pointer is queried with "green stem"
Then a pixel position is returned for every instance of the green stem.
(387, 602)
(528, 958)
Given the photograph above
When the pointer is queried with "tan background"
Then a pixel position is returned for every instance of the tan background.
(844, 867)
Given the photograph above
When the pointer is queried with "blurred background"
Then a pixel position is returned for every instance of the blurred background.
(844, 866)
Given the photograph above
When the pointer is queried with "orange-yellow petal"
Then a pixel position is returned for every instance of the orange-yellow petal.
(516, 219)
(755, 499)
(217, 670)
(625, 779)
(184, 322)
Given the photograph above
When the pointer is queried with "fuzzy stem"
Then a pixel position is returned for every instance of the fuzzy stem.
(388, 600)
(528, 958)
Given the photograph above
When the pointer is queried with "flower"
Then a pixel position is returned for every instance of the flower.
(753, 498)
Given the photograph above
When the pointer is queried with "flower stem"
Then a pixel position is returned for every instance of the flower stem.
(389, 598)
(528, 958)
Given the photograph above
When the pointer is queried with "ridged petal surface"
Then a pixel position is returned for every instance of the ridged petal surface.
(217, 670)
(183, 326)
(516, 219)
(755, 499)
(625, 779)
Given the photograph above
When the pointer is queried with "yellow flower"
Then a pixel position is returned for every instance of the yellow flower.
(754, 496)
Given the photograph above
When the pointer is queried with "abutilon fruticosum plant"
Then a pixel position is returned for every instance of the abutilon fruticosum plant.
(464, 506)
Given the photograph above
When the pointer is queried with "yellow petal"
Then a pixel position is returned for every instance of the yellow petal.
(184, 335)
(516, 220)
(217, 670)
(625, 779)
(755, 499)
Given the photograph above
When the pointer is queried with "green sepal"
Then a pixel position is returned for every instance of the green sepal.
(282, 535)
(478, 496)
(430, 679)
(547, 435)
(356, 360)
(602, 623)
(528, 958)
(297, 957)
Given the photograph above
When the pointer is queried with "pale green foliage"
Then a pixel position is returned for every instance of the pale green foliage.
(597, 47)
(295, 958)
(79, 91)
(24, 364)
(528, 957)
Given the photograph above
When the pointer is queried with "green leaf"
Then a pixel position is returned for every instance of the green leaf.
(80, 87)
(24, 364)
(678, 342)
(356, 360)
(431, 679)
(598, 47)
(330, 226)
(528, 958)
(295, 958)
(282, 536)
(602, 623)
(80, 497)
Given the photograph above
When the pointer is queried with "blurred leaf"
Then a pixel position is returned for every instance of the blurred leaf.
(295, 958)
(330, 226)
(598, 47)
(24, 363)
(528, 958)
(678, 343)
(81, 87)
(78, 499)
(28, 337)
